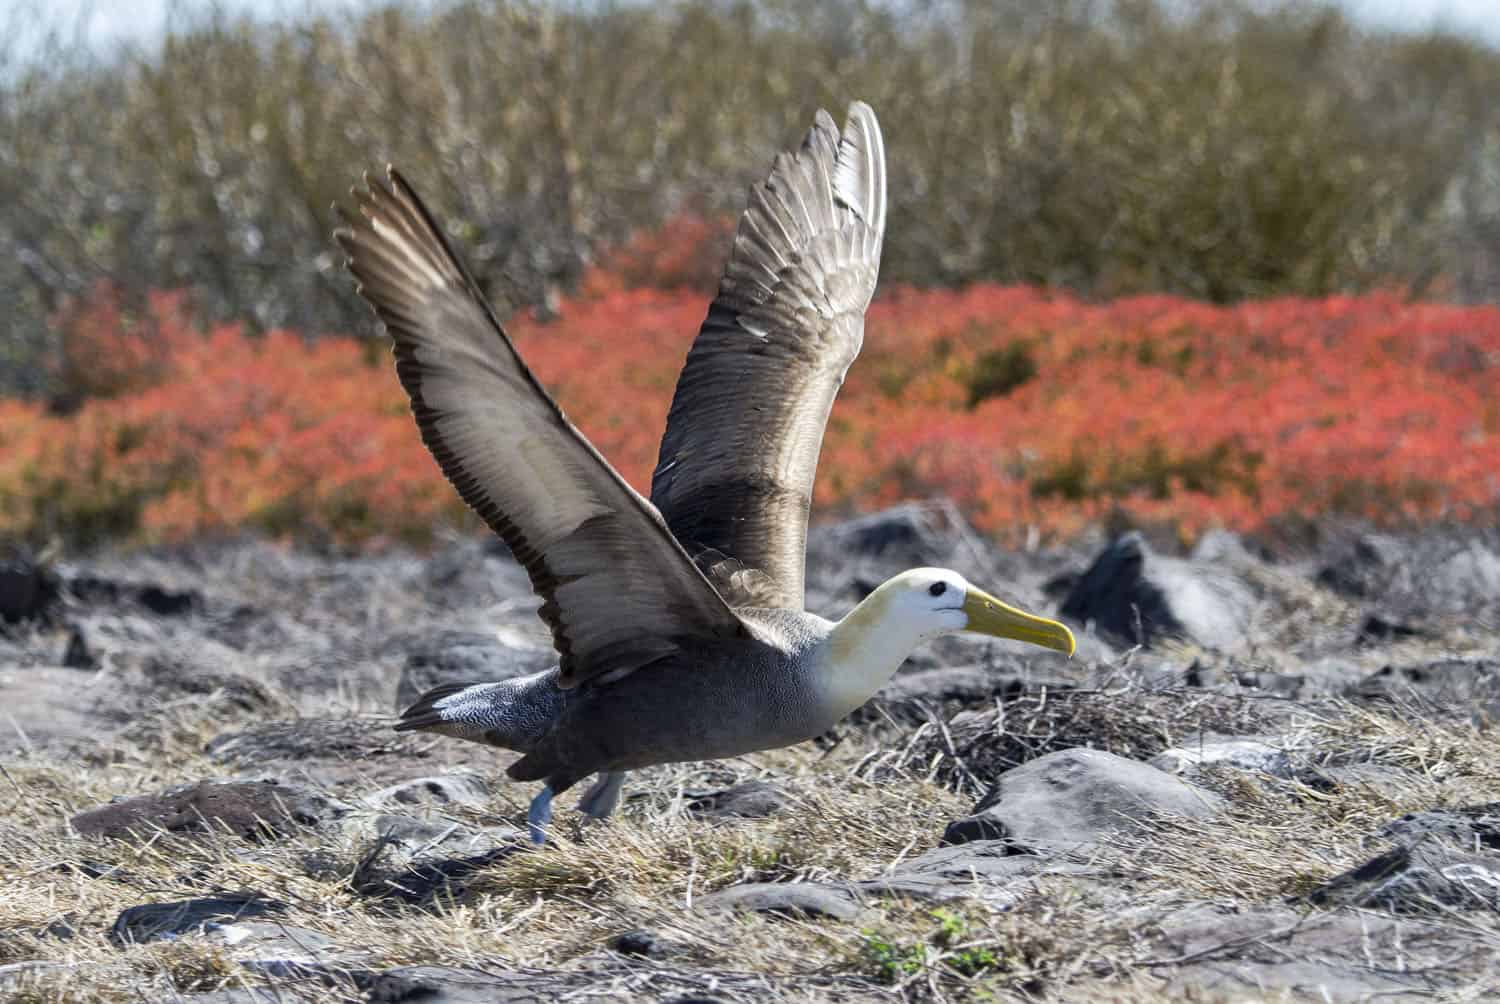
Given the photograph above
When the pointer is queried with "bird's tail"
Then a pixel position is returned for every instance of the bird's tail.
(512, 714)
(428, 711)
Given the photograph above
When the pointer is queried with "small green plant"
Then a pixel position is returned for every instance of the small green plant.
(890, 960)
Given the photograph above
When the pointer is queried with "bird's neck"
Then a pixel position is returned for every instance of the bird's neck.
(864, 650)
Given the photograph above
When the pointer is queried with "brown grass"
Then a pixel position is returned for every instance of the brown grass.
(556, 908)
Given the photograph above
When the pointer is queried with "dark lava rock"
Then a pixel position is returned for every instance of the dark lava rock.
(450, 985)
(94, 638)
(1444, 858)
(1473, 827)
(1462, 685)
(95, 870)
(911, 535)
(1362, 568)
(1427, 877)
(153, 597)
(1231, 676)
(1467, 579)
(1437, 572)
(807, 899)
(1378, 630)
(643, 944)
(179, 672)
(1075, 798)
(420, 880)
(28, 589)
(155, 921)
(465, 657)
(750, 800)
(1135, 596)
(1281, 953)
(988, 870)
(245, 808)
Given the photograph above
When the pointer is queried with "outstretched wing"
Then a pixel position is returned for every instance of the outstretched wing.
(735, 475)
(618, 589)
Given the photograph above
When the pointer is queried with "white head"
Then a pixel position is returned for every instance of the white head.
(932, 601)
(870, 643)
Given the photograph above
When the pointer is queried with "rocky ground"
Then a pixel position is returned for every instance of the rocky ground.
(1272, 772)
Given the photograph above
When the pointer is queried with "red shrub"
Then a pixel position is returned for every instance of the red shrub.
(1033, 410)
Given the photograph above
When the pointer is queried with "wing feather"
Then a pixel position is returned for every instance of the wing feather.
(618, 590)
(735, 473)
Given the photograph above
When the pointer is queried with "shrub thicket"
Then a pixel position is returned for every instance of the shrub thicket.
(1109, 148)
(1168, 410)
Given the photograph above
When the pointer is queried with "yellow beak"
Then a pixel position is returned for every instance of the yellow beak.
(988, 615)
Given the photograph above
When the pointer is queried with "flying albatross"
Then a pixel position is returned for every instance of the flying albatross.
(678, 621)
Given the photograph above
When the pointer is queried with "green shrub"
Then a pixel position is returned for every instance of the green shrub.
(1000, 371)
(1220, 150)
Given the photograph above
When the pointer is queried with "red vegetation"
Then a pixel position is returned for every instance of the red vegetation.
(1033, 410)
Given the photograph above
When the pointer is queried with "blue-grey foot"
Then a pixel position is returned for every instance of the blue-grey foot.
(604, 797)
(539, 816)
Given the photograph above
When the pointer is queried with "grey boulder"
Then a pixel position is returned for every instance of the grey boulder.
(138, 925)
(747, 800)
(1281, 953)
(1135, 597)
(1246, 753)
(807, 899)
(1075, 798)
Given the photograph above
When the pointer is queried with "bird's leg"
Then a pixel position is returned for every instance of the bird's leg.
(602, 799)
(540, 815)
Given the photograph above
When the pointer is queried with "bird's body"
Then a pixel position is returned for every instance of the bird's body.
(678, 621)
(728, 698)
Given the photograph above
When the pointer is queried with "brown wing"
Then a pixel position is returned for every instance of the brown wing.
(618, 590)
(735, 475)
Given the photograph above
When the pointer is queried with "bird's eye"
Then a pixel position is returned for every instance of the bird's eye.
(938, 588)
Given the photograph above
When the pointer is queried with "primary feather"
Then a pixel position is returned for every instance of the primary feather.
(618, 590)
(735, 474)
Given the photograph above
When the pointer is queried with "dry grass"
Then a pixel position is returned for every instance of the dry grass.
(557, 908)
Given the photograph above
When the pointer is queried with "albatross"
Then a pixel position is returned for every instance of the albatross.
(678, 621)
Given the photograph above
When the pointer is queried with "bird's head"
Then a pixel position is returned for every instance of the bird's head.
(868, 645)
(936, 601)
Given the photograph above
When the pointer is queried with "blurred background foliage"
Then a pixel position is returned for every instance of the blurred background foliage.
(1233, 151)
